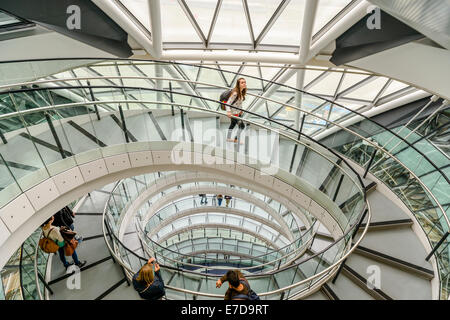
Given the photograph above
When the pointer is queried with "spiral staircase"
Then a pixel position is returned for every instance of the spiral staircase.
(359, 214)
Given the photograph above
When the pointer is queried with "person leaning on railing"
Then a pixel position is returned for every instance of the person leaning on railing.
(235, 286)
(148, 281)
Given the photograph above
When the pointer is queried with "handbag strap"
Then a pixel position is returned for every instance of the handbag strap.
(48, 233)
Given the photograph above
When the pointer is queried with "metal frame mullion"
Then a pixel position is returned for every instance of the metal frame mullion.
(356, 86)
(271, 21)
(213, 22)
(221, 74)
(380, 93)
(237, 73)
(249, 22)
(192, 20)
(317, 79)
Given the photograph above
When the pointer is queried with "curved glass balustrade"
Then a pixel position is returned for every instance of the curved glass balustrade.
(284, 283)
(167, 212)
(253, 222)
(292, 221)
(412, 174)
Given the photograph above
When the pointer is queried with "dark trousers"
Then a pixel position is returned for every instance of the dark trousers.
(233, 123)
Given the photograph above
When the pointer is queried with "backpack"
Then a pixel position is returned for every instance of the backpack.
(46, 244)
(224, 96)
(251, 294)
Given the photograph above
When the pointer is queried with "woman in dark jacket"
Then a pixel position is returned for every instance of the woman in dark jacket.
(148, 283)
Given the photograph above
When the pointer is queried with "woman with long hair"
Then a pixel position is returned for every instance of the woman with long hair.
(148, 281)
(235, 100)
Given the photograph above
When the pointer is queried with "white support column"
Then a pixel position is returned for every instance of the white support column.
(159, 83)
(298, 96)
(155, 25)
(309, 16)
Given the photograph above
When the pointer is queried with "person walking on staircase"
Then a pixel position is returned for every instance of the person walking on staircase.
(64, 218)
(235, 100)
(54, 234)
(148, 281)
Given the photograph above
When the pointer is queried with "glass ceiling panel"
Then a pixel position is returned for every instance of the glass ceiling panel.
(260, 13)
(326, 11)
(310, 75)
(140, 9)
(175, 25)
(394, 87)
(268, 72)
(368, 91)
(203, 12)
(190, 71)
(327, 85)
(231, 25)
(351, 79)
(286, 30)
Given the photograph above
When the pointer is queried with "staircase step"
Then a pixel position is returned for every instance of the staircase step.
(388, 224)
(362, 282)
(423, 272)
(401, 244)
(93, 283)
(395, 283)
(346, 289)
(384, 209)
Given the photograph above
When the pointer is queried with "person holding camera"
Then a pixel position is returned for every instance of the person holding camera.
(239, 288)
(148, 281)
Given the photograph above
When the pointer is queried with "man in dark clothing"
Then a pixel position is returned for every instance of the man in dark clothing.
(147, 283)
(64, 217)
(235, 279)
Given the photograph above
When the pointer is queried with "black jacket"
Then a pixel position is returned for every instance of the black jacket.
(154, 291)
(63, 217)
